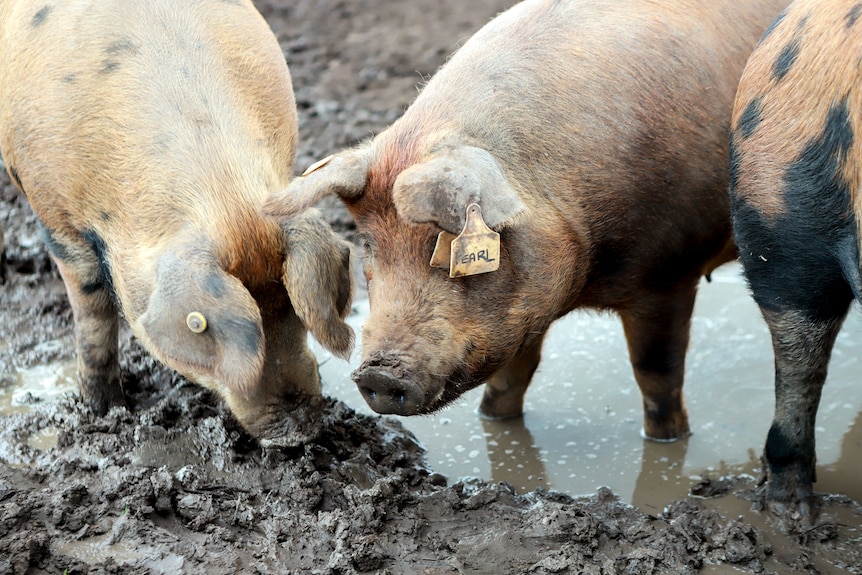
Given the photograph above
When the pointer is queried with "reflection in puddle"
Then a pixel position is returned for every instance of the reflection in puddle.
(581, 429)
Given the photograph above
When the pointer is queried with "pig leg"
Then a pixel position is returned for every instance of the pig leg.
(657, 332)
(802, 346)
(96, 330)
(505, 389)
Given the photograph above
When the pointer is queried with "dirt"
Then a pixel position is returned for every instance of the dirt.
(175, 486)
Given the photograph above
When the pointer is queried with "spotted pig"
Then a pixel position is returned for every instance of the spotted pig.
(592, 136)
(796, 202)
(146, 136)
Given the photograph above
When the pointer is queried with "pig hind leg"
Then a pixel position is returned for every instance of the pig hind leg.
(505, 389)
(657, 332)
(802, 345)
(96, 323)
(804, 298)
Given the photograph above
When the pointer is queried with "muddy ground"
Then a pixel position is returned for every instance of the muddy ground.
(175, 486)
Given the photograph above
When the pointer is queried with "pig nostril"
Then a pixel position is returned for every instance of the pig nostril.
(369, 393)
(399, 397)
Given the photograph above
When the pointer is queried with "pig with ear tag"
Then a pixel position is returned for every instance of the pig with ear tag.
(146, 136)
(592, 135)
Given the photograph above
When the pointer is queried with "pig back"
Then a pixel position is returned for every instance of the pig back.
(162, 111)
(615, 114)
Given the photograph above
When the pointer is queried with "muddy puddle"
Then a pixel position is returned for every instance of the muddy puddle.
(582, 426)
(580, 436)
(583, 419)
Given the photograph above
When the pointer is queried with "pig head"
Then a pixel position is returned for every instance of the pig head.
(430, 338)
(592, 136)
(146, 162)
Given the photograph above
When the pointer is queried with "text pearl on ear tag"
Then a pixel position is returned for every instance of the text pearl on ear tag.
(196, 322)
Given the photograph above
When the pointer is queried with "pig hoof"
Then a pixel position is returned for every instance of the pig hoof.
(671, 439)
(99, 402)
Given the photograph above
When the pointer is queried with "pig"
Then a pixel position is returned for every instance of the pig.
(592, 135)
(146, 136)
(796, 204)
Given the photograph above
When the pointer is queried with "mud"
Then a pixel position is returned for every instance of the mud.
(175, 486)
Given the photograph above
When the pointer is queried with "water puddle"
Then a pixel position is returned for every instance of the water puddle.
(583, 419)
(37, 384)
(100, 548)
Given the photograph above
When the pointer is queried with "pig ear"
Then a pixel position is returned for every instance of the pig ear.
(203, 322)
(439, 190)
(318, 279)
(343, 174)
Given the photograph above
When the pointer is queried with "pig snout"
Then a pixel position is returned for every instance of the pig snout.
(389, 388)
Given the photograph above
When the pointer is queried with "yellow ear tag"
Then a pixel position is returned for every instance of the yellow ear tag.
(476, 250)
(196, 322)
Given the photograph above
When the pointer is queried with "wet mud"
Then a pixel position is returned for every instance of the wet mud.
(174, 485)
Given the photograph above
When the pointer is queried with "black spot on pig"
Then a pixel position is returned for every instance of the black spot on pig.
(251, 334)
(215, 285)
(785, 60)
(800, 259)
(853, 15)
(57, 249)
(114, 52)
(750, 118)
(772, 27)
(733, 153)
(40, 16)
(814, 180)
(121, 46)
(780, 451)
(17, 180)
(97, 244)
(69, 79)
(108, 66)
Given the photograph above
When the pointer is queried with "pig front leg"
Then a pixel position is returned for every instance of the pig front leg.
(802, 345)
(96, 331)
(505, 389)
(657, 332)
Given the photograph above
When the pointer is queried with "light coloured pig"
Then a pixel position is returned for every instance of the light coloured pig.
(146, 136)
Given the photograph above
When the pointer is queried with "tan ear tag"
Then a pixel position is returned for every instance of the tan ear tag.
(476, 250)
(442, 251)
